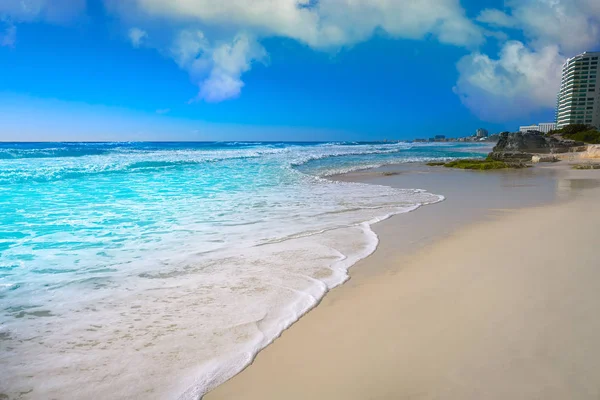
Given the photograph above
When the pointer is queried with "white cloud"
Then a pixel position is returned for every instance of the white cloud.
(496, 18)
(187, 48)
(136, 36)
(526, 76)
(229, 61)
(573, 25)
(217, 41)
(163, 111)
(8, 38)
(19, 11)
(217, 69)
(516, 84)
(322, 23)
(54, 11)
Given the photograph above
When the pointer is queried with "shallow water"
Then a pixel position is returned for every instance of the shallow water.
(159, 270)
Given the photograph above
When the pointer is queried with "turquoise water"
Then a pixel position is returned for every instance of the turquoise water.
(160, 269)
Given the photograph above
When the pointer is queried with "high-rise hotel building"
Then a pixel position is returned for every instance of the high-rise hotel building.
(579, 96)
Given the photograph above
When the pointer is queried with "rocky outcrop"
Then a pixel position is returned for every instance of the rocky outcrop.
(592, 152)
(520, 147)
(521, 142)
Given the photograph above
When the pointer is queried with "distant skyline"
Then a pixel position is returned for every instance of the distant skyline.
(303, 70)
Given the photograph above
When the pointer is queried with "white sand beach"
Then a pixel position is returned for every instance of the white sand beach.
(499, 299)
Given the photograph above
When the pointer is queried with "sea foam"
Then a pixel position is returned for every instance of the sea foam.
(166, 279)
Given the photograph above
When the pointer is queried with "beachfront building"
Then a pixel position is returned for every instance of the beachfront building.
(527, 128)
(578, 99)
(482, 133)
(544, 127)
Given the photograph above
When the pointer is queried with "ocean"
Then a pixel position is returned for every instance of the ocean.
(159, 270)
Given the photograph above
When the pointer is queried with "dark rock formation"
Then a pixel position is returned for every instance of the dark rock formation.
(520, 142)
(519, 147)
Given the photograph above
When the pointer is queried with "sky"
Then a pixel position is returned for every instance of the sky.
(111, 70)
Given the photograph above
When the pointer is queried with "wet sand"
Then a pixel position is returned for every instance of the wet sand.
(493, 293)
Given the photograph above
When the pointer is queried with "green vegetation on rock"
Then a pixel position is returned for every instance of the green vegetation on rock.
(591, 136)
(476, 164)
(579, 132)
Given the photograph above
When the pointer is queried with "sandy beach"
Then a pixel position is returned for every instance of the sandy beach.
(492, 294)
(299, 200)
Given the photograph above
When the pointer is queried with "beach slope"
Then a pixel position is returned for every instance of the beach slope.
(507, 308)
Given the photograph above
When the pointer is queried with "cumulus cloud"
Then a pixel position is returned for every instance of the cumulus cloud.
(325, 22)
(218, 41)
(519, 82)
(216, 68)
(229, 61)
(136, 36)
(572, 24)
(525, 76)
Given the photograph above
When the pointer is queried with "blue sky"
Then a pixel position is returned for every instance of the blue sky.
(286, 70)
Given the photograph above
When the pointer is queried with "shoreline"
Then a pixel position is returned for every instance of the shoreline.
(343, 265)
(172, 315)
(412, 243)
